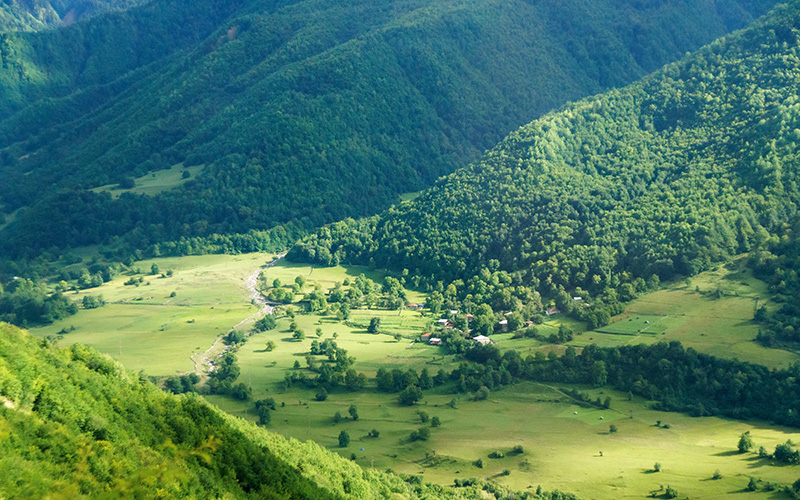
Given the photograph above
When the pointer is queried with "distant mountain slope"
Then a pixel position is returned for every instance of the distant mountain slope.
(75, 424)
(693, 164)
(306, 111)
(32, 15)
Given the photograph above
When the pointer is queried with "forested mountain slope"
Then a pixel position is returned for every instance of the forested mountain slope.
(693, 164)
(31, 15)
(75, 424)
(306, 111)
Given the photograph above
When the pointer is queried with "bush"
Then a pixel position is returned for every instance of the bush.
(344, 439)
(421, 434)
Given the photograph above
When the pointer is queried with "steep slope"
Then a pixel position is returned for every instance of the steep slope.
(304, 111)
(665, 177)
(32, 15)
(74, 424)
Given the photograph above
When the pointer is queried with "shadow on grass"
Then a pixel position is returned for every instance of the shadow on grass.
(729, 453)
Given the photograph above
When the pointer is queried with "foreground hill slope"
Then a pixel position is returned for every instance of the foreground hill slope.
(306, 111)
(75, 424)
(693, 164)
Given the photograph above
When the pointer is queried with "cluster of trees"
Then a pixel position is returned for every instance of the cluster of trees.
(18, 15)
(223, 376)
(778, 265)
(677, 379)
(334, 372)
(26, 303)
(609, 196)
(374, 104)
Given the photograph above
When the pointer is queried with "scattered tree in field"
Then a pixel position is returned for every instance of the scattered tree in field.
(745, 442)
(612, 429)
(337, 417)
(421, 434)
(300, 281)
(479, 463)
(154, 269)
(265, 323)
(276, 283)
(344, 439)
(753, 484)
(374, 325)
(374, 433)
(353, 411)
(657, 467)
(410, 395)
(93, 302)
(423, 416)
(482, 393)
(299, 335)
(319, 332)
(322, 394)
(670, 492)
(435, 422)
(296, 365)
(270, 346)
(717, 475)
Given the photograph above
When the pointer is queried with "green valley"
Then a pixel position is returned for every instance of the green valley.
(400, 249)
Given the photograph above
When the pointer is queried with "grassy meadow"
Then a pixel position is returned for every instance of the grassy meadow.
(146, 328)
(155, 182)
(711, 312)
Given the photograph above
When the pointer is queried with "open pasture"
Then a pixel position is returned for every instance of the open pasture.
(562, 450)
(155, 182)
(711, 312)
(147, 328)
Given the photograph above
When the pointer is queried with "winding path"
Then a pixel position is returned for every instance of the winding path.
(204, 361)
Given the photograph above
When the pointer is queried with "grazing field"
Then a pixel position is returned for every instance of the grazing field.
(711, 312)
(147, 328)
(562, 449)
(155, 182)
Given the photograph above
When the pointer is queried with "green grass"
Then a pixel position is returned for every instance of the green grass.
(154, 182)
(692, 314)
(148, 330)
(641, 323)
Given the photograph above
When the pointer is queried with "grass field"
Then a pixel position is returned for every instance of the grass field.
(562, 449)
(155, 182)
(695, 315)
(147, 329)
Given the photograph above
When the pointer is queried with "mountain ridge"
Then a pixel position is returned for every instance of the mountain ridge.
(348, 114)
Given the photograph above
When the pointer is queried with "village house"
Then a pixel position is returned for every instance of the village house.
(552, 311)
(482, 340)
(504, 325)
(435, 341)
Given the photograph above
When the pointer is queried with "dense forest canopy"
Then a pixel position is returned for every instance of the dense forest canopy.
(693, 164)
(32, 15)
(304, 111)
